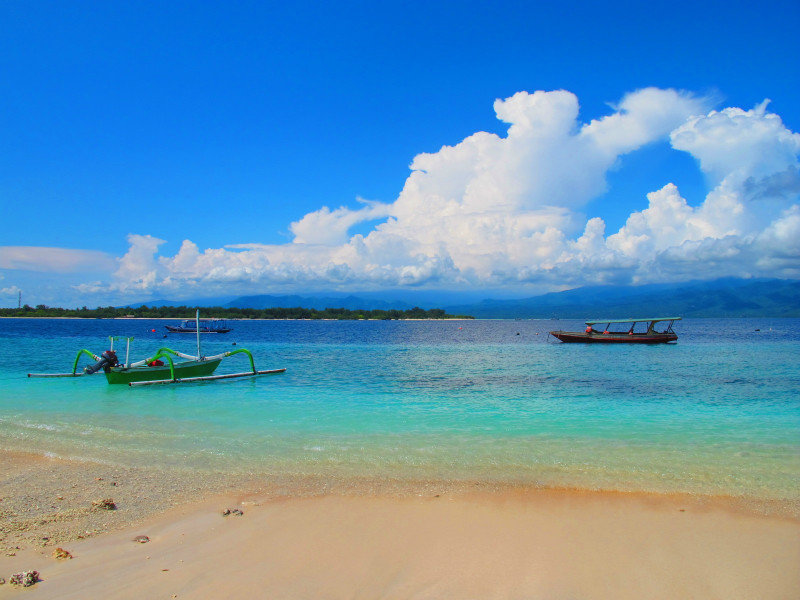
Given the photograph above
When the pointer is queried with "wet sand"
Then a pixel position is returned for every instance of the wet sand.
(315, 538)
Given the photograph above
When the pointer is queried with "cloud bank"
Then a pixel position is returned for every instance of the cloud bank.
(46, 259)
(506, 211)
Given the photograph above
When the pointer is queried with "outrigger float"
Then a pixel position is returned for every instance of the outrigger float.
(154, 370)
(606, 336)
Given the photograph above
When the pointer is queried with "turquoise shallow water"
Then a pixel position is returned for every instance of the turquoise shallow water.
(718, 412)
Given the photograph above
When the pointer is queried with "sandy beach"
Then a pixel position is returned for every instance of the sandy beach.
(323, 539)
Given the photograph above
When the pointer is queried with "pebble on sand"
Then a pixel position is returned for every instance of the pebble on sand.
(105, 504)
(61, 554)
(142, 539)
(25, 579)
(235, 511)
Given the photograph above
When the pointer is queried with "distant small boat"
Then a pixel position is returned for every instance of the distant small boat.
(206, 326)
(630, 336)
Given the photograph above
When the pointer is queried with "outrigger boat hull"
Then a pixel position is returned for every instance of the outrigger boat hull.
(613, 338)
(153, 370)
(609, 336)
(182, 370)
(176, 329)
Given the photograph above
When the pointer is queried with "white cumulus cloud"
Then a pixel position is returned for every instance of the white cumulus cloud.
(329, 227)
(138, 269)
(497, 210)
(737, 144)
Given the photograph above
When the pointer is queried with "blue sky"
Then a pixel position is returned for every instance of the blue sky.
(225, 123)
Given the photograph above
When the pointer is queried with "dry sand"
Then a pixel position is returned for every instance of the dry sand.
(425, 540)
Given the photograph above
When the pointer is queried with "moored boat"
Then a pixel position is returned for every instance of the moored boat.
(161, 371)
(154, 370)
(203, 326)
(627, 336)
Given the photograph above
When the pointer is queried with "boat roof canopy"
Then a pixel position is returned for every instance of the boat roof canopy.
(649, 320)
(202, 320)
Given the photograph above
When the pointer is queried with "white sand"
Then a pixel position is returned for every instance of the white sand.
(524, 544)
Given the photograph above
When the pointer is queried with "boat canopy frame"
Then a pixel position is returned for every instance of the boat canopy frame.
(610, 321)
(651, 323)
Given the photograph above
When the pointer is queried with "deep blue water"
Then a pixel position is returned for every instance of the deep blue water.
(718, 412)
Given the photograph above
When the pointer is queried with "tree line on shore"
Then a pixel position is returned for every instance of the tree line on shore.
(185, 312)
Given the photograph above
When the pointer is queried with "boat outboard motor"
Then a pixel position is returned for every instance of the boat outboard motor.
(107, 360)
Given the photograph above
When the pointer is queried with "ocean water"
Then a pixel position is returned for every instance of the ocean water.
(484, 400)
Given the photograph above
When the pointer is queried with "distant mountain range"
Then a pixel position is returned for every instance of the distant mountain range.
(365, 302)
(719, 298)
(201, 302)
(728, 297)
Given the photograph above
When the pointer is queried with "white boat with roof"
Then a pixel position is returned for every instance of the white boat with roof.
(611, 333)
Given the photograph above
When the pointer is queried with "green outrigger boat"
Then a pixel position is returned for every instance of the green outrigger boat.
(154, 368)
(159, 368)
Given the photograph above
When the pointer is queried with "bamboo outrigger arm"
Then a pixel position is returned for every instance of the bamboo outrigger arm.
(166, 355)
(232, 352)
(162, 352)
(77, 358)
(74, 372)
(178, 354)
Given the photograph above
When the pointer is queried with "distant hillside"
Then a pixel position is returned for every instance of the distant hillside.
(730, 297)
(317, 302)
(719, 298)
(201, 302)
